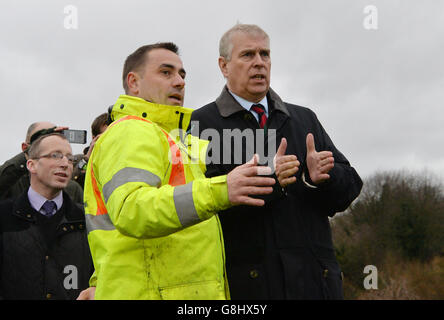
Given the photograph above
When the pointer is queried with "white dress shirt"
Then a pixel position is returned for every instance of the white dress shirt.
(247, 104)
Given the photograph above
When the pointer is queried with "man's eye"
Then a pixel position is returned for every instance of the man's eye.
(166, 72)
(56, 155)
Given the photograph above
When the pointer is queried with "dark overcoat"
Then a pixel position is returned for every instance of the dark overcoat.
(284, 249)
(40, 257)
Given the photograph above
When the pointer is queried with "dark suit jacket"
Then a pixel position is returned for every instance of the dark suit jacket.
(283, 250)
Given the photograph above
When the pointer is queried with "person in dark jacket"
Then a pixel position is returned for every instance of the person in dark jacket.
(98, 126)
(44, 252)
(14, 177)
(283, 250)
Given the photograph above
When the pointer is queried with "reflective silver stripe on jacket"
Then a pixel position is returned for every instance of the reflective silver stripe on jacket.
(183, 201)
(129, 175)
(100, 222)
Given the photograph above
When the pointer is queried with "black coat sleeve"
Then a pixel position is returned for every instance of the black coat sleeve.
(1, 259)
(10, 172)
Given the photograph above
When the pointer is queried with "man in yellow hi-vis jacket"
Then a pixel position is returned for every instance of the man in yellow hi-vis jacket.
(151, 213)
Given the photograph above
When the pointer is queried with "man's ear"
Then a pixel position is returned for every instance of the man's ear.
(223, 66)
(30, 165)
(132, 81)
(24, 146)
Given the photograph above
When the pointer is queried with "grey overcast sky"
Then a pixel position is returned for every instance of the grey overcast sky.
(378, 92)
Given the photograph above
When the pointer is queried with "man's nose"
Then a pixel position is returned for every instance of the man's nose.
(64, 162)
(179, 82)
(258, 61)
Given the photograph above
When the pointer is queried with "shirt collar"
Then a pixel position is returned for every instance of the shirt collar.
(247, 104)
(37, 200)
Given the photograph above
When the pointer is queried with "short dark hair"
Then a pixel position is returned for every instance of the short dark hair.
(98, 123)
(137, 59)
(34, 149)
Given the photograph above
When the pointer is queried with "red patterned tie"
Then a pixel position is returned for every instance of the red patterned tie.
(260, 110)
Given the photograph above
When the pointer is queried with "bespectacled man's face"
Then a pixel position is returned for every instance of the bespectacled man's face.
(162, 79)
(49, 173)
(248, 71)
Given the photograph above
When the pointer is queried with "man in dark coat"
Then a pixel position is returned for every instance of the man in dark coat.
(14, 177)
(283, 250)
(98, 126)
(44, 252)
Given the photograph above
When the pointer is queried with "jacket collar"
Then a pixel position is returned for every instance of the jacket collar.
(23, 209)
(227, 105)
(167, 117)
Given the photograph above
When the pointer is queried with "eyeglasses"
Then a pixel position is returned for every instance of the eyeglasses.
(58, 156)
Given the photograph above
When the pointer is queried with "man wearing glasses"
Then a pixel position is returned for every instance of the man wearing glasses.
(44, 253)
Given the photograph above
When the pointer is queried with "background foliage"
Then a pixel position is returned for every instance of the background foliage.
(397, 225)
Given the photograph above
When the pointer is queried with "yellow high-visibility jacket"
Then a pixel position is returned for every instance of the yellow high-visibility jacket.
(150, 211)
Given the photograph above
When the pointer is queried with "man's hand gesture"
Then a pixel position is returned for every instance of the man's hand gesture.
(318, 163)
(286, 165)
(243, 181)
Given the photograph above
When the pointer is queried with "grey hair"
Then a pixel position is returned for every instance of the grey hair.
(226, 43)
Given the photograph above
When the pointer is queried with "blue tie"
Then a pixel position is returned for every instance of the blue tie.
(49, 208)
